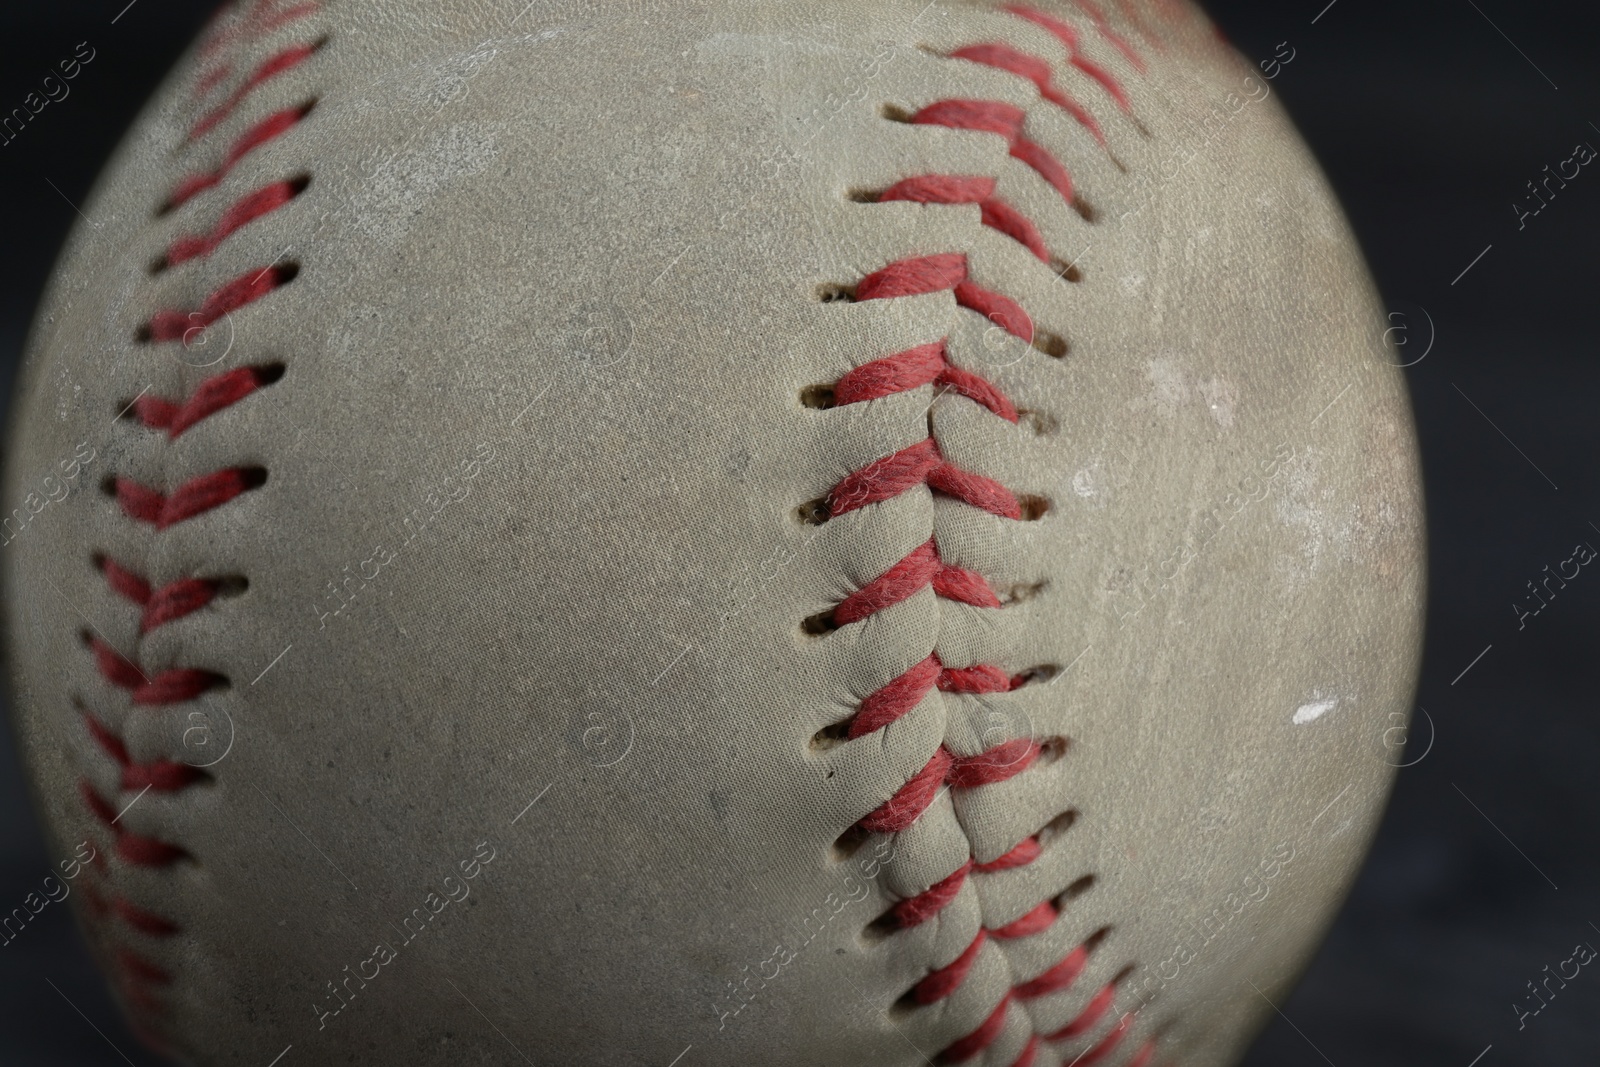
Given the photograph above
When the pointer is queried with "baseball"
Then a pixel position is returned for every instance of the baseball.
(723, 532)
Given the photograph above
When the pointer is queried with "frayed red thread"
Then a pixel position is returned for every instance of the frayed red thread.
(248, 208)
(178, 325)
(1036, 70)
(1057, 978)
(1030, 1052)
(1108, 1044)
(210, 397)
(270, 68)
(194, 497)
(992, 116)
(914, 368)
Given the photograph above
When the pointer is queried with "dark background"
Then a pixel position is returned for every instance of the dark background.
(1429, 120)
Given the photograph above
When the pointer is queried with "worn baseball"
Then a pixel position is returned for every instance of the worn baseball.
(719, 532)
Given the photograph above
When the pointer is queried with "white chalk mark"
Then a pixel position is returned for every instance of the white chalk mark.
(281, 1055)
(1479, 1056)
(1323, 12)
(121, 13)
(1474, 662)
(1313, 711)
(680, 1056)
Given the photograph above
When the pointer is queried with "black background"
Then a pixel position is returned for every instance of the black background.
(1429, 120)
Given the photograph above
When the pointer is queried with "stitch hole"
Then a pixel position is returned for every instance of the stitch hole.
(1085, 209)
(230, 585)
(1077, 889)
(819, 624)
(1021, 594)
(1038, 423)
(831, 736)
(253, 477)
(108, 485)
(817, 397)
(1051, 749)
(835, 293)
(1051, 344)
(863, 196)
(1055, 828)
(814, 512)
(1033, 675)
(850, 842)
(895, 113)
(1033, 508)
(1067, 271)
(880, 929)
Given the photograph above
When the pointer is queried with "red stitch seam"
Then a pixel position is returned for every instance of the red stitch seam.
(270, 68)
(1069, 38)
(270, 128)
(136, 976)
(246, 209)
(923, 464)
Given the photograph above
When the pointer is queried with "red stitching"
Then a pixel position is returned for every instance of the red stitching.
(270, 68)
(160, 776)
(161, 606)
(273, 126)
(173, 686)
(175, 324)
(1102, 24)
(246, 209)
(1069, 37)
(1036, 70)
(261, 20)
(211, 396)
(922, 464)
(194, 497)
(992, 116)
(132, 848)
